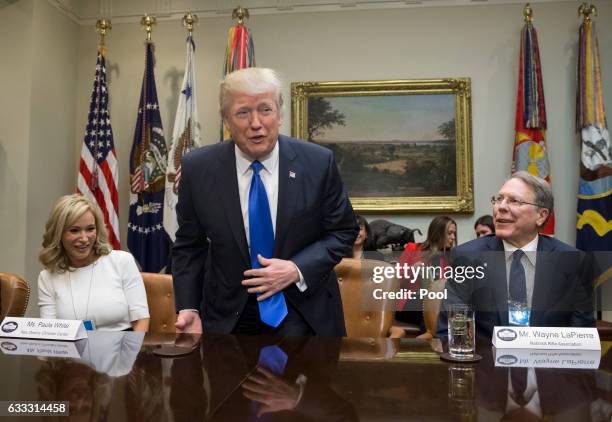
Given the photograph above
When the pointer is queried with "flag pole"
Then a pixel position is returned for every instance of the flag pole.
(148, 22)
(189, 21)
(528, 14)
(240, 13)
(103, 26)
(586, 10)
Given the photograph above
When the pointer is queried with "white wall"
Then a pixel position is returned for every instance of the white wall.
(37, 76)
(52, 110)
(16, 24)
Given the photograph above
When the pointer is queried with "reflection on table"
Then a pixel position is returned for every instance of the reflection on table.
(119, 377)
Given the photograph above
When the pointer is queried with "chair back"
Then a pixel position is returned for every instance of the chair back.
(431, 308)
(160, 297)
(363, 315)
(14, 295)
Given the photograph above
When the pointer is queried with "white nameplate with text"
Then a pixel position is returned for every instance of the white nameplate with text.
(531, 358)
(49, 329)
(562, 338)
(50, 348)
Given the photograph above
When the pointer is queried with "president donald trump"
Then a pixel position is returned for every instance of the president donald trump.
(263, 220)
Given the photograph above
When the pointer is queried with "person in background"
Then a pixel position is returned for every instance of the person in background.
(484, 226)
(84, 279)
(441, 238)
(362, 247)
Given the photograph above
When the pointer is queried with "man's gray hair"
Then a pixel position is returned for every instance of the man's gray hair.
(250, 81)
(541, 189)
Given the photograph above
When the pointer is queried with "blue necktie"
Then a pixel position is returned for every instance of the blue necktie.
(261, 234)
(518, 285)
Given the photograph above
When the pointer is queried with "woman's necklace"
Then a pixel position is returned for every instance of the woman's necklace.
(91, 280)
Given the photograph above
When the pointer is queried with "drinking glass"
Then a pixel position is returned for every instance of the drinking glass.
(461, 344)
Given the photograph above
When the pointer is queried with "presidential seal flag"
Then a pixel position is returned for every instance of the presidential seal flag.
(594, 230)
(98, 169)
(530, 152)
(147, 239)
(185, 137)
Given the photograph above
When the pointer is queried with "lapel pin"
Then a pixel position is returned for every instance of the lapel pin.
(292, 174)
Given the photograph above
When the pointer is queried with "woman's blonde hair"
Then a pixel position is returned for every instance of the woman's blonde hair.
(65, 212)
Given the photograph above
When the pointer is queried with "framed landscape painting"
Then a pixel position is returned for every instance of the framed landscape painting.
(400, 145)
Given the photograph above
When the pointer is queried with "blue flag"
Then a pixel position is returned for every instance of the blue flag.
(594, 225)
(147, 239)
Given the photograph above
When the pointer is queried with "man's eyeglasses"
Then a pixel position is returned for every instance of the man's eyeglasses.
(511, 202)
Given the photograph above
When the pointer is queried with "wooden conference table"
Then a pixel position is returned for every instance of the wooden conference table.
(119, 377)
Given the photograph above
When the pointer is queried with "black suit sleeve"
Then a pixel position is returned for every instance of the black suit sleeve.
(582, 315)
(339, 227)
(190, 250)
(456, 294)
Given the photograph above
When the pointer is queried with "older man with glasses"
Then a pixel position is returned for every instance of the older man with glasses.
(526, 279)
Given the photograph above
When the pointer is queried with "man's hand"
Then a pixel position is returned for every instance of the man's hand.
(272, 392)
(274, 277)
(188, 340)
(188, 322)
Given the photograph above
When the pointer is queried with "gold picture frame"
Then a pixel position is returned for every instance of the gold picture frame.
(385, 134)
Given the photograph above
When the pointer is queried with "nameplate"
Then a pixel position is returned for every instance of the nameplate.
(561, 338)
(48, 348)
(49, 329)
(530, 358)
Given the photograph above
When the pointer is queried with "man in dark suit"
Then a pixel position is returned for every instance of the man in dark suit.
(222, 274)
(527, 278)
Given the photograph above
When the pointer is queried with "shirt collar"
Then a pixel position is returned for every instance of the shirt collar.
(269, 162)
(530, 249)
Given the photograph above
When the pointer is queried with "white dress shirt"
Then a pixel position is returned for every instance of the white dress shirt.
(269, 176)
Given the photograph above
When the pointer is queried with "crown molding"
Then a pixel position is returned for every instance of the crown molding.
(86, 12)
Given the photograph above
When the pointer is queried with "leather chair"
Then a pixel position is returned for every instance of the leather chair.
(363, 315)
(14, 295)
(160, 297)
(431, 310)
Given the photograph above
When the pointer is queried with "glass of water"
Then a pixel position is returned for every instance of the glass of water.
(461, 344)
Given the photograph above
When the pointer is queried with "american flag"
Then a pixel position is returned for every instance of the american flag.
(98, 169)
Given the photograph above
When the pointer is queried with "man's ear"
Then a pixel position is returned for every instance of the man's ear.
(543, 214)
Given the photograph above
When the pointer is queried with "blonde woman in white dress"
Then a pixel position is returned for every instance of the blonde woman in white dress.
(84, 279)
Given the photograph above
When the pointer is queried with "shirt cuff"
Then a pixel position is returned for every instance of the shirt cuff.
(301, 382)
(301, 284)
(191, 310)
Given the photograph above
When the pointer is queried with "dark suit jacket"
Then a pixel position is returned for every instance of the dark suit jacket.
(315, 228)
(562, 293)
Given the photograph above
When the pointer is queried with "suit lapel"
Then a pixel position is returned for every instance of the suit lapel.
(231, 198)
(499, 284)
(289, 181)
(542, 271)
